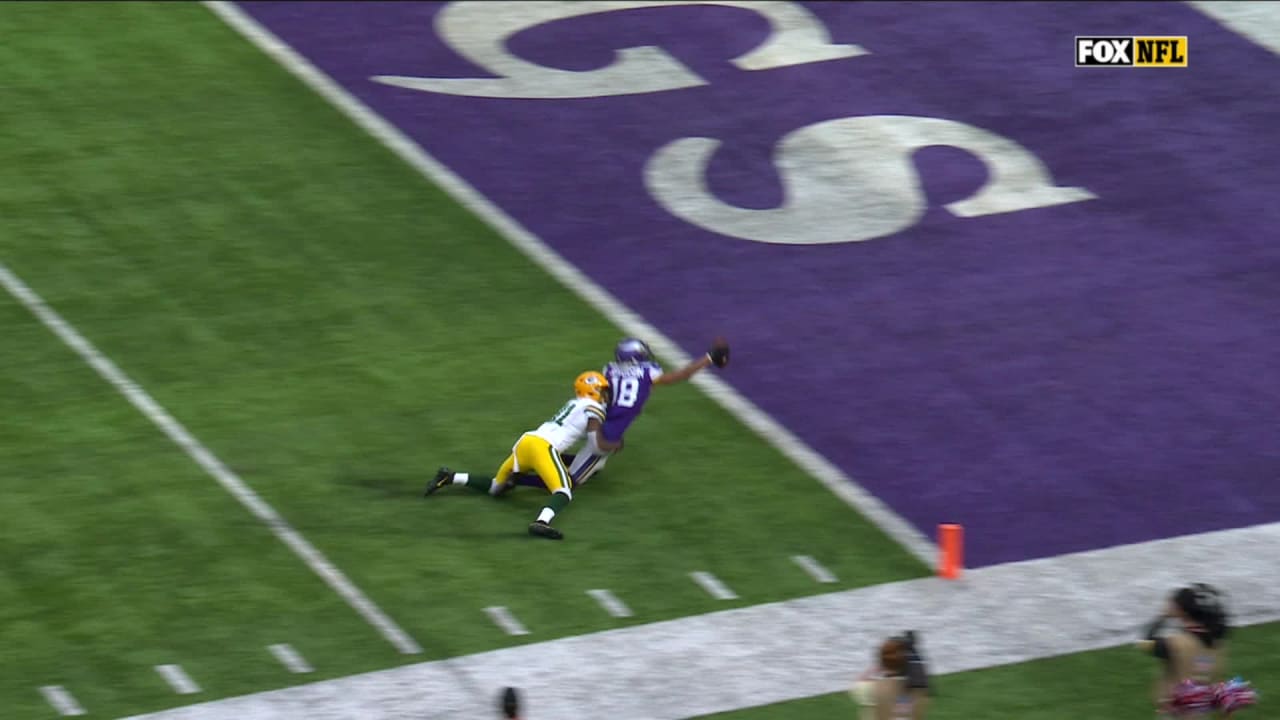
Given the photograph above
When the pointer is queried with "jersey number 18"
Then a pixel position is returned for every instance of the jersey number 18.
(628, 390)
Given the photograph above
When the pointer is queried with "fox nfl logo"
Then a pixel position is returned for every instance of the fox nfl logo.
(1168, 51)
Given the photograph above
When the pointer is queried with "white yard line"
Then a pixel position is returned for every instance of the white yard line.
(61, 700)
(770, 430)
(290, 658)
(232, 483)
(611, 603)
(814, 568)
(1259, 22)
(503, 618)
(767, 653)
(800, 648)
(178, 679)
(713, 586)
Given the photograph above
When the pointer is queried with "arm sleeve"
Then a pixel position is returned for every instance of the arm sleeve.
(595, 411)
(655, 372)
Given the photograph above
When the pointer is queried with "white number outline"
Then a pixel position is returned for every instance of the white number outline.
(853, 179)
(478, 31)
(836, 191)
(628, 387)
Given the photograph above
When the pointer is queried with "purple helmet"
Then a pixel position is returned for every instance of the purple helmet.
(632, 350)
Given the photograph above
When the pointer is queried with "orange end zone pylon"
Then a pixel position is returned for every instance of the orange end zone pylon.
(951, 550)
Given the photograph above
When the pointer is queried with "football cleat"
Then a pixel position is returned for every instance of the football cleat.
(444, 476)
(538, 528)
(592, 384)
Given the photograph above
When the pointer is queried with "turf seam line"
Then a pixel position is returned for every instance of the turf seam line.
(61, 700)
(142, 400)
(178, 679)
(752, 416)
(712, 584)
(290, 658)
(611, 603)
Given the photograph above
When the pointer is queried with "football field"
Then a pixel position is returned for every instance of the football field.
(332, 328)
(241, 331)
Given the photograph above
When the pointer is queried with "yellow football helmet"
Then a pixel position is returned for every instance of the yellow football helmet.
(592, 384)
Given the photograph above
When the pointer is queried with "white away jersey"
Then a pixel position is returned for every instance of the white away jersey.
(570, 423)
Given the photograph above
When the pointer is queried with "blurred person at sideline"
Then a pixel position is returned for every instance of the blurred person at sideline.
(897, 688)
(1190, 639)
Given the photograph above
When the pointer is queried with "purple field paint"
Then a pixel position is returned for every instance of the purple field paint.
(1056, 379)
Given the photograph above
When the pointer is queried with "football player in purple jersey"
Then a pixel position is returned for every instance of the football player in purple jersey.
(632, 375)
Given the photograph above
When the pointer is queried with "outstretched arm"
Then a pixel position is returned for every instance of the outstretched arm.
(593, 431)
(683, 373)
(718, 355)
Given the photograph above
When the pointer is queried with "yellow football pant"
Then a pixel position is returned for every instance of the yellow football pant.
(532, 452)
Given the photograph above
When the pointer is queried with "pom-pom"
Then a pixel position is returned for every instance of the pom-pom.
(863, 692)
(1233, 695)
(1191, 697)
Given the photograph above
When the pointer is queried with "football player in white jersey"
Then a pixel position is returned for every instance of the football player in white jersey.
(540, 450)
(632, 375)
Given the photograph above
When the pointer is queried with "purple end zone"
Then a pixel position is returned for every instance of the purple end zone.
(1055, 379)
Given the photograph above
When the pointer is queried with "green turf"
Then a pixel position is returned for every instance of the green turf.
(117, 554)
(1113, 683)
(333, 328)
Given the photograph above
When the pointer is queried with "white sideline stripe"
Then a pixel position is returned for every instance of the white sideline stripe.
(178, 679)
(713, 586)
(611, 603)
(1259, 22)
(61, 700)
(770, 430)
(814, 568)
(503, 618)
(232, 483)
(290, 658)
(782, 651)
